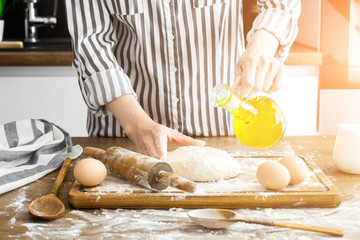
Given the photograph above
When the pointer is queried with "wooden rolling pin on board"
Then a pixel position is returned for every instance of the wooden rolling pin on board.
(140, 169)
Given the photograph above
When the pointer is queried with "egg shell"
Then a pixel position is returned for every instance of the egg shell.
(90, 172)
(273, 175)
(297, 168)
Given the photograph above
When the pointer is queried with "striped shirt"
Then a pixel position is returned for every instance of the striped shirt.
(167, 53)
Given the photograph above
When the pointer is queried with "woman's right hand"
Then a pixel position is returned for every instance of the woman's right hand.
(152, 139)
(149, 137)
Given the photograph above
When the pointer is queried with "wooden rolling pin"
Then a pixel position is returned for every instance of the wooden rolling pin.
(140, 169)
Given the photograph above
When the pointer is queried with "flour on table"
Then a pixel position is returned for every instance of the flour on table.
(203, 163)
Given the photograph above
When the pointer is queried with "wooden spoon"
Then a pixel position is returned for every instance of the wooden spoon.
(50, 206)
(221, 218)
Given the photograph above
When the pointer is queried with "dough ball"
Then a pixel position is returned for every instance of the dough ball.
(203, 164)
(90, 172)
(273, 175)
(297, 168)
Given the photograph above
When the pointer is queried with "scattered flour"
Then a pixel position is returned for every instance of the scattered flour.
(18, 202)
(12, 221)
(174, 224)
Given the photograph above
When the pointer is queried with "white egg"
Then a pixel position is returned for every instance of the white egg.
(297, 168)
(90, 172)
(273, 175)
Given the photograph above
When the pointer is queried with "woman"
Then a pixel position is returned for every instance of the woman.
(146, 67)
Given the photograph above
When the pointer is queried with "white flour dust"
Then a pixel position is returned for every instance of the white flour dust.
(174, 224)
(280, 149)
(18, 203)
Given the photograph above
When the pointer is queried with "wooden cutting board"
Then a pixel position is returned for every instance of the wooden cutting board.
(242, 191)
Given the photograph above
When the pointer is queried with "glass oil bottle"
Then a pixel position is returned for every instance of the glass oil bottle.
(258, 122)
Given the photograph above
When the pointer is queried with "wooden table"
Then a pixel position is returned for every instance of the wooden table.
(16, 223)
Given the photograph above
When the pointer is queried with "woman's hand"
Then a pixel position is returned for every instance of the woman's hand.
(152, 139)
(149, 137)
(258, 69)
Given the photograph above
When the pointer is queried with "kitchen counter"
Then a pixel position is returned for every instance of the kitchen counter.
(50, 52)
(16, 223)
(61, 55)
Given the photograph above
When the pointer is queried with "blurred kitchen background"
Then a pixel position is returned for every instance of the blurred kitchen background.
(321, 88)
(15, 24)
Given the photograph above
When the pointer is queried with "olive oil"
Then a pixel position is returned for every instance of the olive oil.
(258, 122)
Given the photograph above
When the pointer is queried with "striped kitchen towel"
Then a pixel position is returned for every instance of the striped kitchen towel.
(30, 149)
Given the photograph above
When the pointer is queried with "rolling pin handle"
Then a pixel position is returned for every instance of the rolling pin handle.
(176, 181)
(96, 153)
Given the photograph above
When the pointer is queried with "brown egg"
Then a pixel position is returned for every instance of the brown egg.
(273, 175)
(90, 172)
(297, 168)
